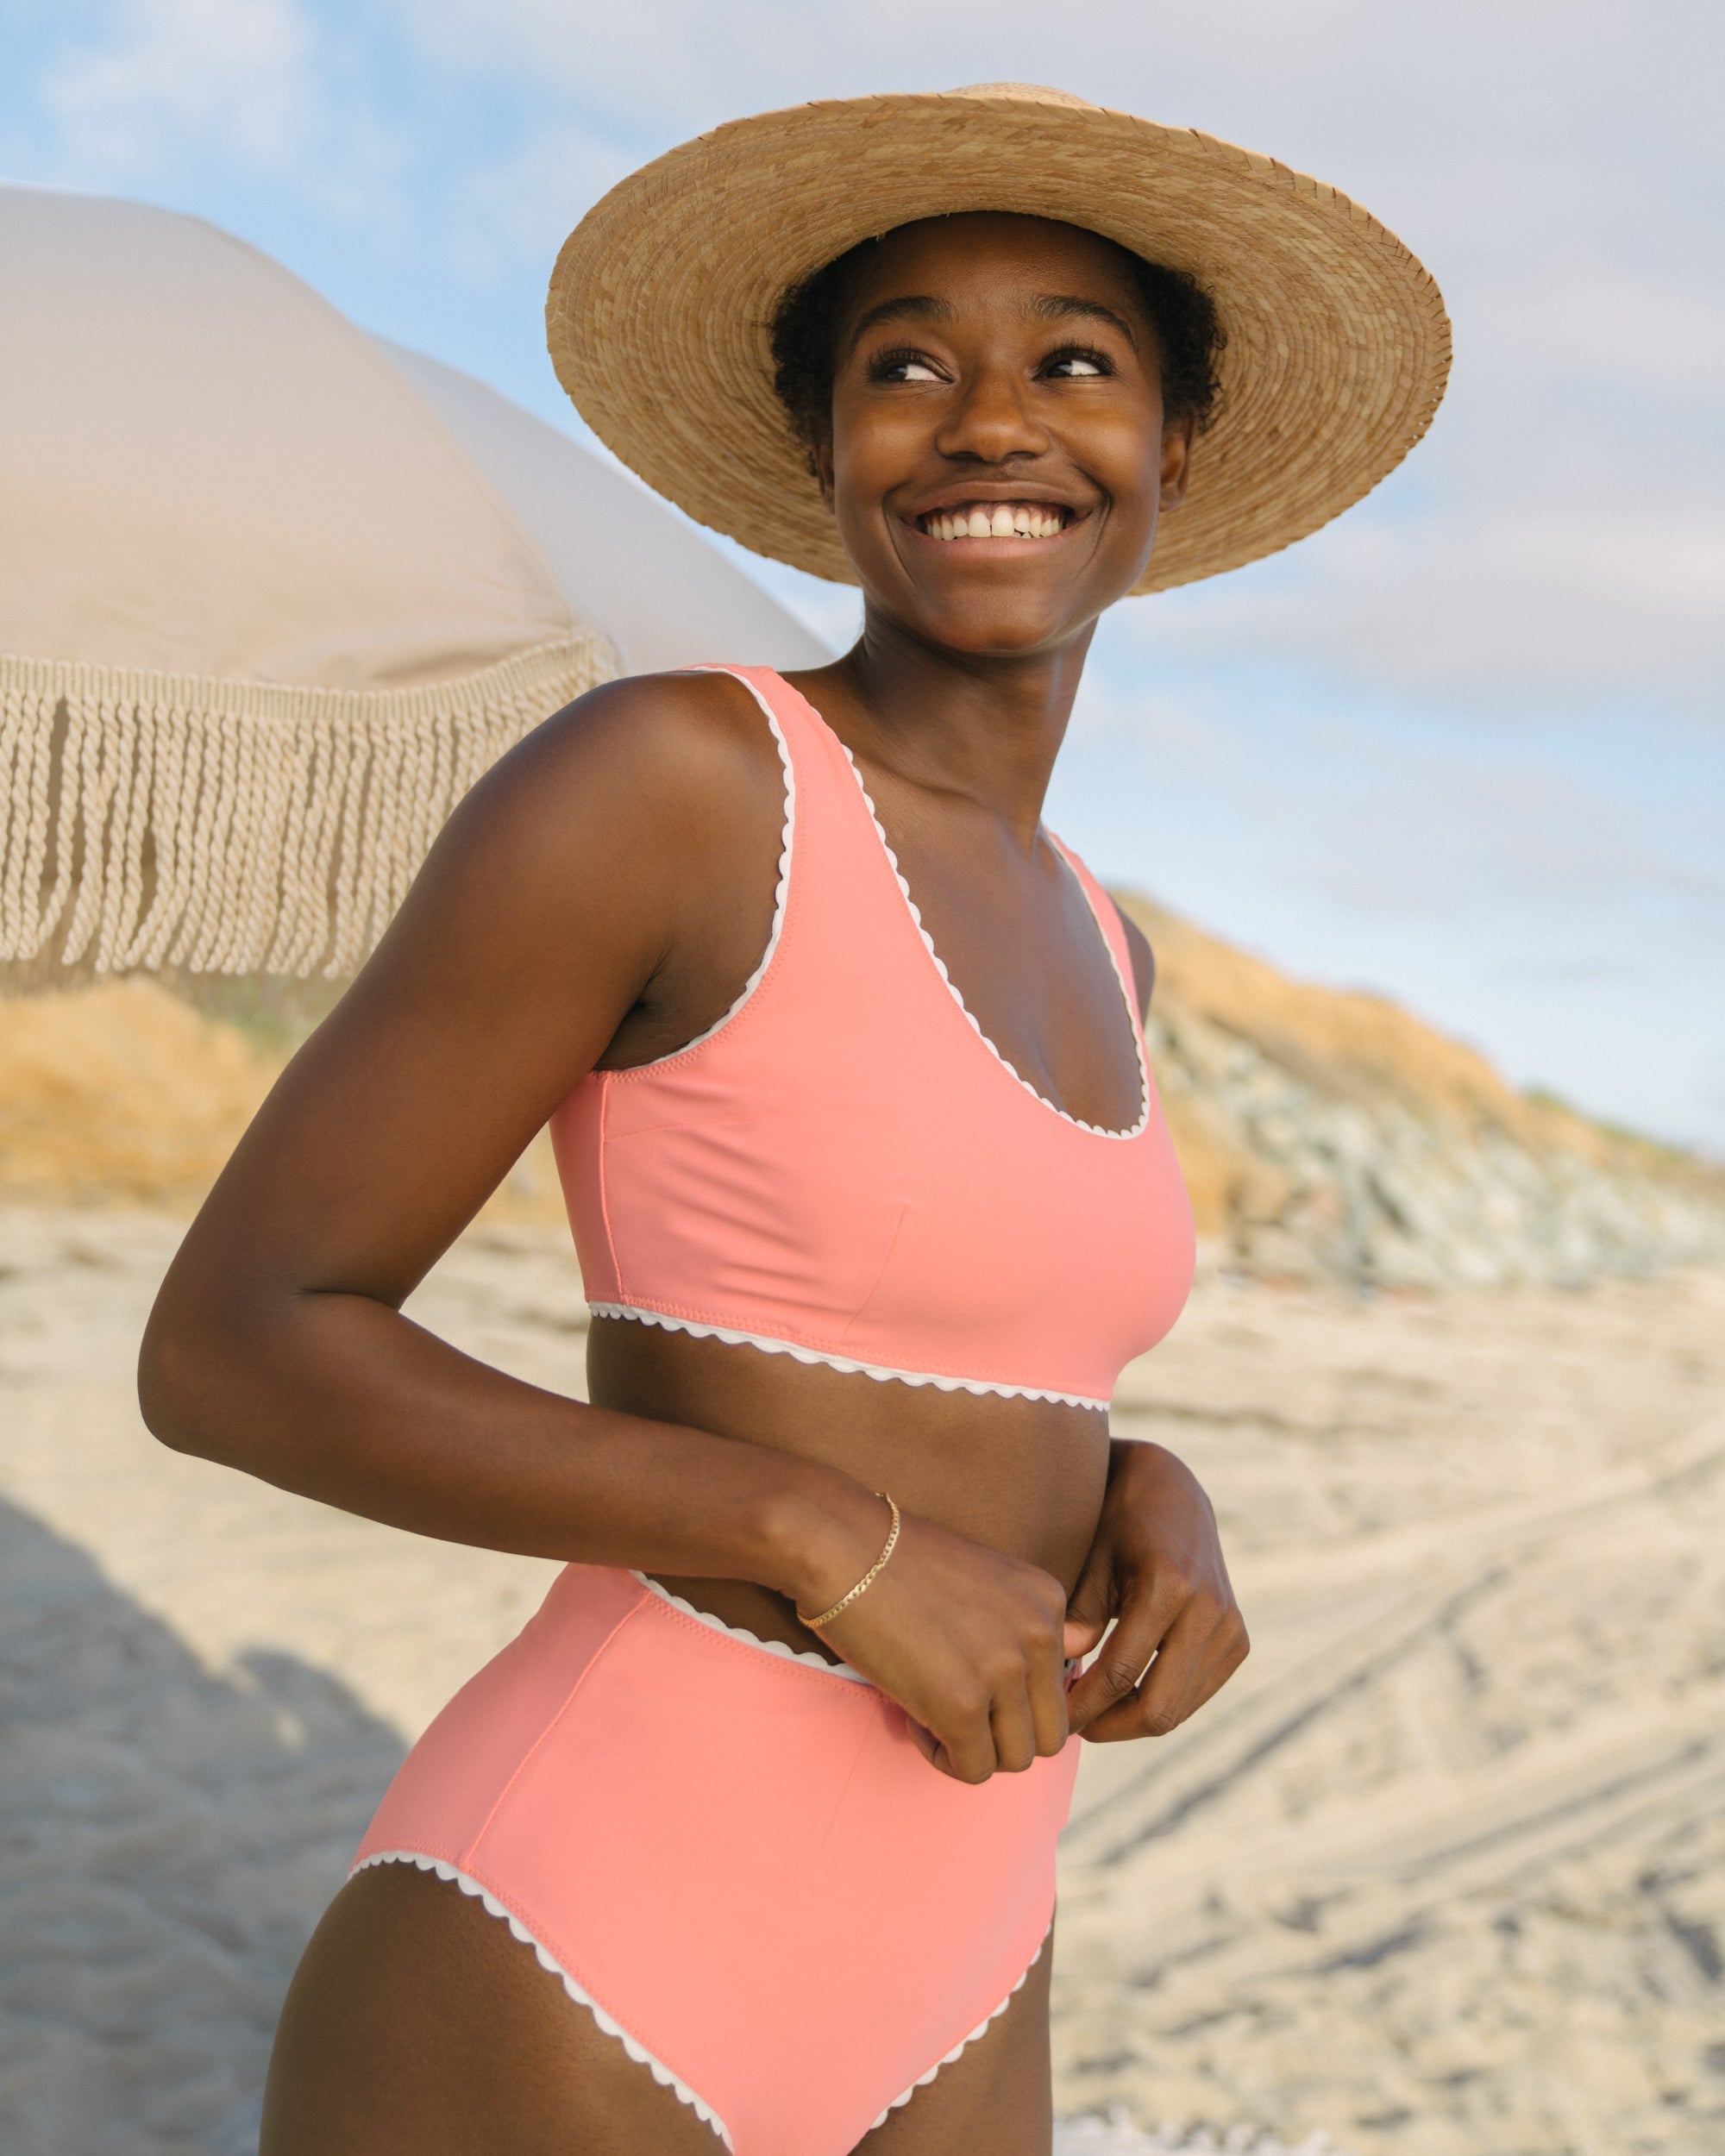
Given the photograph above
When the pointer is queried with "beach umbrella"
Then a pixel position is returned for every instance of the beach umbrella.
(274, 594)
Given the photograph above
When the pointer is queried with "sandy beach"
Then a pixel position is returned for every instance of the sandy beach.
(1444, 1870)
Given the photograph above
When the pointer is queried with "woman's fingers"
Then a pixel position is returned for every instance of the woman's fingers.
(1053, 1724)
(1194, 1658)
(1005, 1730)
(1012, 1727)
(968, 1743)
(1091, 1606)
(924, 1739)
(1125, 1654)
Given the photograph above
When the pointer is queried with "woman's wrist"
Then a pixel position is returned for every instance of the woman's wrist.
(822, 1532)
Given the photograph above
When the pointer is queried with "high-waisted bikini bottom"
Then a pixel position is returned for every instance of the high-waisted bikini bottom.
(735, 1856)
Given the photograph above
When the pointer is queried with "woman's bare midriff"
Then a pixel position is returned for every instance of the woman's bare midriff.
(1024, 1477)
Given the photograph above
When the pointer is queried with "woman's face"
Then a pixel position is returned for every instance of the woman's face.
(997, 460)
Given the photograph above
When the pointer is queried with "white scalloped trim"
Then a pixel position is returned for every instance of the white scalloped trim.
(640, 1315)
(493, 1907)
(737, 1632)
(981, 2029)
(781, 890)
(1096, 1129)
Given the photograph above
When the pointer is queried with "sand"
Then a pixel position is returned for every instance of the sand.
(1442, 1872)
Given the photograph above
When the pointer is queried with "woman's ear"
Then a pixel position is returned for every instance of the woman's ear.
(820, 463)
(1177, 459)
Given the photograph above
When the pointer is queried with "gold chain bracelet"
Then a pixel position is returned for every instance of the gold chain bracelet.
(868, 1579)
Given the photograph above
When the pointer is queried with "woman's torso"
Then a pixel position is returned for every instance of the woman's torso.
(840, 1222)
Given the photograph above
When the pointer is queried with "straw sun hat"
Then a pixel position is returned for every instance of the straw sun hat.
(662, 297)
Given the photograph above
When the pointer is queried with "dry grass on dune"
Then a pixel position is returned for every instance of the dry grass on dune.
(120, 1092)
(1353, 1043)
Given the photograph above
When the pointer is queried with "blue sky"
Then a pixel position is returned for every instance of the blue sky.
(1465, 746)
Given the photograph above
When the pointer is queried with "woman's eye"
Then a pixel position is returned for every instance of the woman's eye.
(1068, 366)
(903, 366)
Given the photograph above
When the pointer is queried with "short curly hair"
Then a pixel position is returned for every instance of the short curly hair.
(1189, 340)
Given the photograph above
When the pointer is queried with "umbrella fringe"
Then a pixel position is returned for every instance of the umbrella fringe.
(239, 827)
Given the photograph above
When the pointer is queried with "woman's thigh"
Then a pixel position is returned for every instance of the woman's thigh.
(417, 2025)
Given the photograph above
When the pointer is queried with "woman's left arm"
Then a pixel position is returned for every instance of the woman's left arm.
(1155, 1566)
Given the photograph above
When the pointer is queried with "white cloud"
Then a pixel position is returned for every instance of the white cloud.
(236, 76)
(266, 90)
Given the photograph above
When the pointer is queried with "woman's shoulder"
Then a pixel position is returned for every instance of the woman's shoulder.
(662, 746)
(626, 805)
(690, 723)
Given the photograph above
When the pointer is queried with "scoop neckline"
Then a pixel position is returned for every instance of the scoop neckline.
(1077, 1122)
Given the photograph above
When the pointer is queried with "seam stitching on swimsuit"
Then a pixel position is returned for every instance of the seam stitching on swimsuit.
(757, 981)
(944, 1380)
(862, 1737)
(874, 1284)
(532, 1752)
(603, 1192)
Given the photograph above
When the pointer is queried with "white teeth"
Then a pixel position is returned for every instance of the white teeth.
(1003, 520)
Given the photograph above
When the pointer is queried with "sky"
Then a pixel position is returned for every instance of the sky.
(1466, 746)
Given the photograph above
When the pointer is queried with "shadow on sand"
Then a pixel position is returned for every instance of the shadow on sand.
(167, 1840)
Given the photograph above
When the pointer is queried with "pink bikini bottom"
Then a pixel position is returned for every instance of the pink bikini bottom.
(734, 1856)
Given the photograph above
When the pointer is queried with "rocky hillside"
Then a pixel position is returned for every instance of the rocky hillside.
(1332, 1133)
(1321, 1133)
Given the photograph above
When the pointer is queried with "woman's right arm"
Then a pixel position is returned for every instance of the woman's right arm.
(573, 891)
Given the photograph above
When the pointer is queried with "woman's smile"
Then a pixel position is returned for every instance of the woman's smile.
(990, 520)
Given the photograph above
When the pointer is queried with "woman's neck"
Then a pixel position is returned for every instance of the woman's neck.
(986, 728)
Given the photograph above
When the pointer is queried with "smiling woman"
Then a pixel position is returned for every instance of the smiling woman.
(844, 1059)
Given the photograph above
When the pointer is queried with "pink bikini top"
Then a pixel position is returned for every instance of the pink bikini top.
(845, 1169)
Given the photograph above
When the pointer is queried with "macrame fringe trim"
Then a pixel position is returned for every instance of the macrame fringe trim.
(155, 819)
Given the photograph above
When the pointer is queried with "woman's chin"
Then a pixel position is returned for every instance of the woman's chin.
(1008, 626)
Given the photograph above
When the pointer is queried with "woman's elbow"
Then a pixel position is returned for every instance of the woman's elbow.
(182, 1375)
(167, 1381)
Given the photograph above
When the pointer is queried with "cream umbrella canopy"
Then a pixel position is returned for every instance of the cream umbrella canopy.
(273, 596)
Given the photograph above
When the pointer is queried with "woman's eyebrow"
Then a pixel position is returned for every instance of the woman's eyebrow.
(1057, 306)
(915, 306)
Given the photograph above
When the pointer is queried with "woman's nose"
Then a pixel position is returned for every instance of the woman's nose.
(991, 421)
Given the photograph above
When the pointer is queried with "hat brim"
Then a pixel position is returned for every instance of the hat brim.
(662, 297)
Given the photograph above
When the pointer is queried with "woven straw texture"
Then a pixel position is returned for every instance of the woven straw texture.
(150, 819)
(657, 321)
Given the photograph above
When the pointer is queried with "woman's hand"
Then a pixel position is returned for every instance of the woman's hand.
(1156, 1568)
(969, 1642)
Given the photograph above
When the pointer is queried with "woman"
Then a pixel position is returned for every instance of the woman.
(842, 1053)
